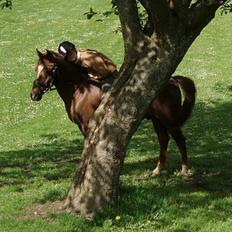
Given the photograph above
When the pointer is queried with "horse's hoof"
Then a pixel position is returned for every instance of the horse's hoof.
(155, 172)
(185, 173)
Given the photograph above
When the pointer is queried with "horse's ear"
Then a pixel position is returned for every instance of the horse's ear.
(50, 54)
(55, 57)
(40, 54)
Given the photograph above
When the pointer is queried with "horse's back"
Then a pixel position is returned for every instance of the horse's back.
(169, 105)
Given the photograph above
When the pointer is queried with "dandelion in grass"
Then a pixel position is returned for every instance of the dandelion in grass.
(117, 218)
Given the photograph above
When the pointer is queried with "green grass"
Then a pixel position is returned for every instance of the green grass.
(40, 147)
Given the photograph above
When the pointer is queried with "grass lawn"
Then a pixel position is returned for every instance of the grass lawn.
(40, 147)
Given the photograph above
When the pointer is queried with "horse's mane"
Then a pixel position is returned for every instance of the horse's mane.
(80, 69)
(79, 73)
(74, 73)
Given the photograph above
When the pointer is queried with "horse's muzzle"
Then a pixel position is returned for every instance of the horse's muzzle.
(36, 97)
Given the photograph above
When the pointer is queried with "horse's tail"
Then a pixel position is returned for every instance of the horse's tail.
(188, 89)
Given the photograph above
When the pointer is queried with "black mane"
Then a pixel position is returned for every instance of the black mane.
(79, 75)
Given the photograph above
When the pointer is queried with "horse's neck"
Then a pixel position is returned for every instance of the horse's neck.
(65, 88)
(71, 73)
(80, 101)
(72, 81)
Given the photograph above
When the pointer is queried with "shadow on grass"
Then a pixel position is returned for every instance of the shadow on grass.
(161, 200)
(52, 161)
(168, 198)
(209, 141)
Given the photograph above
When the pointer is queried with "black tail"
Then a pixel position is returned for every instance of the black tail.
(189, 91)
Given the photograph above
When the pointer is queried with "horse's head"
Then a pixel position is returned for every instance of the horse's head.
(45, 71)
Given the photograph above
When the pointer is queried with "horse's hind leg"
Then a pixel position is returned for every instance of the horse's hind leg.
(163, 138)
(180, 142)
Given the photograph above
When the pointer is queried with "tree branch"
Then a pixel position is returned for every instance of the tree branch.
(158, 11)
(130, 23)
(202, 12)
(180, 7)
(179, 4)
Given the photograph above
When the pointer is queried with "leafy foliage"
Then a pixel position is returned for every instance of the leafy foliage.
(226, 7)
(114, 11)
(89, 14)
(6, 4)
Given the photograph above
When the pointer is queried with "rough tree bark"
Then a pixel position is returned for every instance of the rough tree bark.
(152, 54)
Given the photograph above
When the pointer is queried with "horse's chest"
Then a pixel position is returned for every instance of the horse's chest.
(80, 111)
(82, 106)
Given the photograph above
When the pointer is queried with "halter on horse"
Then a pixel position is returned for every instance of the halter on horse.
(44, 87)
(82, 96)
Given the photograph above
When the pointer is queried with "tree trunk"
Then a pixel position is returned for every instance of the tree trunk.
(115, 121)
(150, 59)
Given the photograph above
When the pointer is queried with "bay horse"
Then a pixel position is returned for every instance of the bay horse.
(168, 112)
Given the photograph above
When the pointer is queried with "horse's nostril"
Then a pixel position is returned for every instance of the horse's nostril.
(32, 96)
(35, 97)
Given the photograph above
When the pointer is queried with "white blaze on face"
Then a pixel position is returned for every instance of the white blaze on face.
(40, 69)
